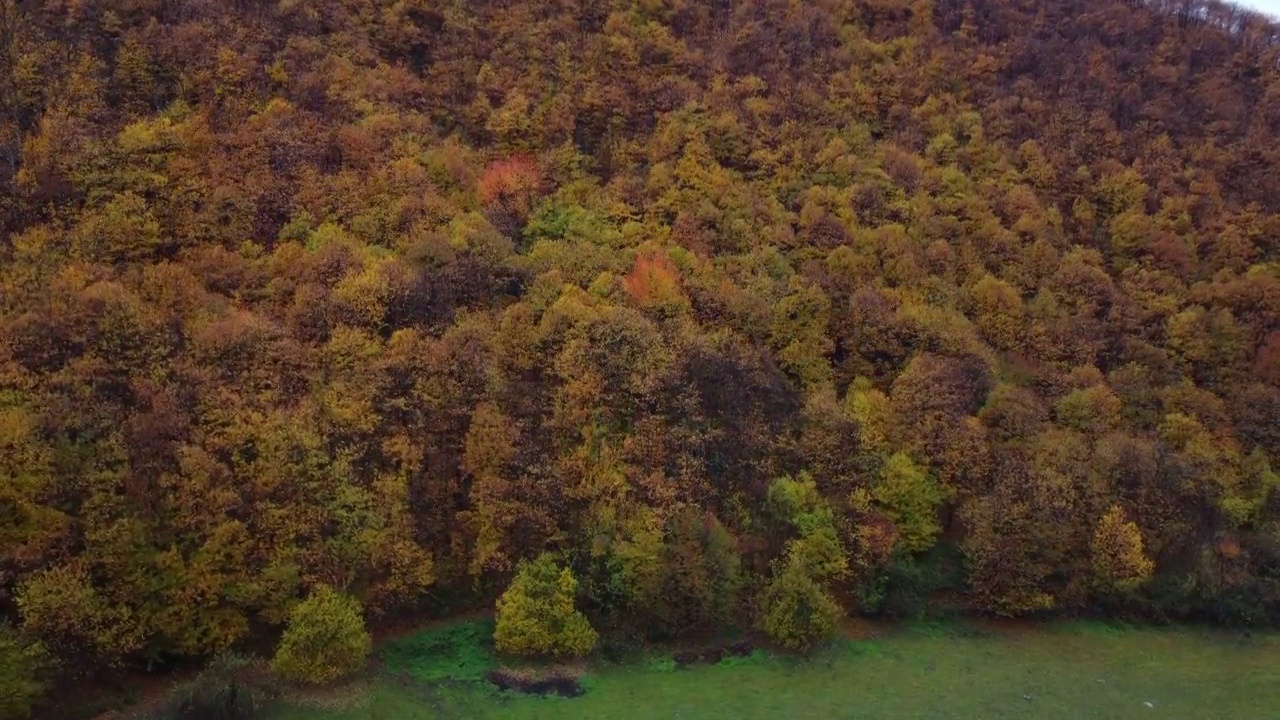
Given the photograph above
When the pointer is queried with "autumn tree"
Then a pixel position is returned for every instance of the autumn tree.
(911, 498)
(1119, 561)
(796, 608)
(10, 17)
(695, 583)
(325, 639)
(537, 615)
(797, 612)
(799, 331)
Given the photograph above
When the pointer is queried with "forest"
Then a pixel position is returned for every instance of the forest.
(631, 319)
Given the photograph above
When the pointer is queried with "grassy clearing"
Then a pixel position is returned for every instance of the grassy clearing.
(1075, 671)
(459, 652)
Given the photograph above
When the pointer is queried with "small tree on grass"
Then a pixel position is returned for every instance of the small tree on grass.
(536, 615)
(22, 661)
(325, 639)
(796, 610)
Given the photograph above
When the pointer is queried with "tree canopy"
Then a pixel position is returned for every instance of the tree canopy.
(751, 306)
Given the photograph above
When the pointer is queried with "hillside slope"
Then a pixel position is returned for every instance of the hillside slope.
(977, 300)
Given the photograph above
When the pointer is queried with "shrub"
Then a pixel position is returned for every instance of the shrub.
(325, 639)
(537, 616)
(796, 611)
(223, 691)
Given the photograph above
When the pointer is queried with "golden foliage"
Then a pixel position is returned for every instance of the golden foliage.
(1119, 561)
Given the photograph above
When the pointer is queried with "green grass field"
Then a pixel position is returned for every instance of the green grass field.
(1072, 671)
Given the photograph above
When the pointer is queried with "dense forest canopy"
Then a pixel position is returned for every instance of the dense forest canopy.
(762, 311)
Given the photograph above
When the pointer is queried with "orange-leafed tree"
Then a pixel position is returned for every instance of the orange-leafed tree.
(508, 188)
(654, 283)
(1119, 561)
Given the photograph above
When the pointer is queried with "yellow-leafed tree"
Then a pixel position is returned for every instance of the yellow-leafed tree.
(326, 639)
(537, 616)
(1119, 561)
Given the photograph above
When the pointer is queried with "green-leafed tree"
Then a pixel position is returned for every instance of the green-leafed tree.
(911, 497)
(324, 640)
(537, 614)
(796, 610)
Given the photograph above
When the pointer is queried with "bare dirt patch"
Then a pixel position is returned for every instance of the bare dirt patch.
(860, 628)
(712, 655)
(556, 681)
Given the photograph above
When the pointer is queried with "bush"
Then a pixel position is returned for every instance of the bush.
(22, 661)
(325, 639)
(537, 616)
(796, 611)
(221, 692)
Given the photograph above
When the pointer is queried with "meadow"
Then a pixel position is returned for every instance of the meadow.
(1080, 671)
